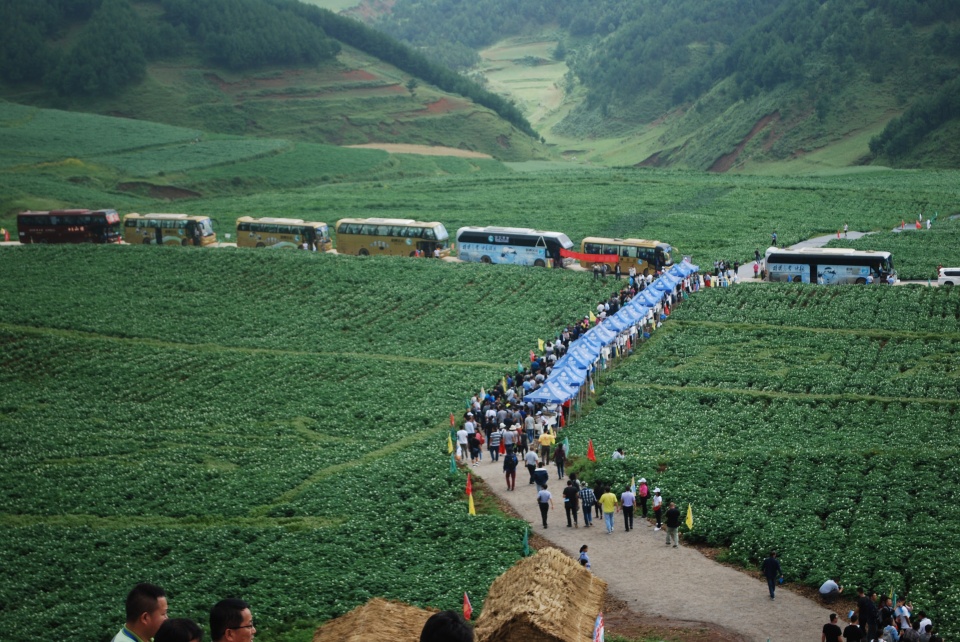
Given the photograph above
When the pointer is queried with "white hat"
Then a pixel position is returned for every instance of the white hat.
(643, 480)
(656, 490)
(503, 425)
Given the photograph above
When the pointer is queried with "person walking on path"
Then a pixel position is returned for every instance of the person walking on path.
(658, 508)
(771, 570)
(546, 440)
(673, 525)
(560, 459)
(831, 630)
(852, 632)
(627, 501)
(869, 613)
(643, 494)
(587, 500)
(608, 501)
(598, 493)
(530, 459)
(545, 502)
(541, 476)
(510, 470)
(571, 503)
(493, 444)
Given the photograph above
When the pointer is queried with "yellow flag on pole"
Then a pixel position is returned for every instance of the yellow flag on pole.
(472, 510)
(503, 382)
(689, 517)
(540, 344)
(449, 444)
(593, 319)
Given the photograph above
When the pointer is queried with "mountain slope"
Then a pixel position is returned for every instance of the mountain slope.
(258, 67)
(684, 83)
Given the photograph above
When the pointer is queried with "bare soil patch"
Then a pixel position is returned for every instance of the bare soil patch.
(725, 162)
(425, 150)
(166, 192)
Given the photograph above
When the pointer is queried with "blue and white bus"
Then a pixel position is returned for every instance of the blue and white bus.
(513, 246)
(829, 266)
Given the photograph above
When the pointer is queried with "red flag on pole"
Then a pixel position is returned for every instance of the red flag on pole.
(563, 422)
(503, 449)
(467, 609)
(453, 422)
(469, 485)
(591, 455)
(533, 357)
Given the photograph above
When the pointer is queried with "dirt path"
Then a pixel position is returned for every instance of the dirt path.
(680, 584)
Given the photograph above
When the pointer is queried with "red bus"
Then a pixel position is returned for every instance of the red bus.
(69, 226)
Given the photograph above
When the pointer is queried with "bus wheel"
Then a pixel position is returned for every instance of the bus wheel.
(184, 242)
(261, 245)
(363, 252)
(539, 263)
(861, 281)
(797, 279)
(485, 259)
(146, 241)
(948, 284)
(414, 253)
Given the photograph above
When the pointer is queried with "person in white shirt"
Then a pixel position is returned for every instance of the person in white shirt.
(830, 590)
(618, 454)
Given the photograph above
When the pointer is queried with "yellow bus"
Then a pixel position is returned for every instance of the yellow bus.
(395, 236)
(168, 229)
(646, 256)
(287, 233)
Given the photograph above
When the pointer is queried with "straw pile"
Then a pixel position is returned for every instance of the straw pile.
(545, 598)
(378, 620)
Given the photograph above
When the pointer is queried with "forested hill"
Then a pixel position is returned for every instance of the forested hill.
(815, 69)
(94, 48)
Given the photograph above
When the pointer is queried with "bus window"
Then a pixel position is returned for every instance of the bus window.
(429, 234)
(611, 249)
(593, 248)
(628, 251)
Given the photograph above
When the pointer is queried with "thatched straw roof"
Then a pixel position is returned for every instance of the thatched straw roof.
(377, 620)
(545, 598)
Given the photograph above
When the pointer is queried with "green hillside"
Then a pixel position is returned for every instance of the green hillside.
(728, 84)
(269, 68)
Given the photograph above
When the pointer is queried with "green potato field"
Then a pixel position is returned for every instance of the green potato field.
(820, 421)
(258, 424)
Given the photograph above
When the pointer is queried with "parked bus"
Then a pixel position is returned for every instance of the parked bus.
(289, 233)
(646, 256)
(828, 265)
(395, 236)
(168, 229)
(69, 226)
(511, 245)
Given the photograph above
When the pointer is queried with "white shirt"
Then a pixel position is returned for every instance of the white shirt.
(617, 455)
(828, 586)
(462, 437)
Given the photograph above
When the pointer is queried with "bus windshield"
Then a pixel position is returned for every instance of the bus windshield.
(206, 227)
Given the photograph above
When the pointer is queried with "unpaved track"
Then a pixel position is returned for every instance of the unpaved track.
(658, 580)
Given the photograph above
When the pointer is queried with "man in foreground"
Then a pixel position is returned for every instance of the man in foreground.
(231, 621)
(146, 610)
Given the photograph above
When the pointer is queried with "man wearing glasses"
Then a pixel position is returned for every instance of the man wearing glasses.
(231, 621)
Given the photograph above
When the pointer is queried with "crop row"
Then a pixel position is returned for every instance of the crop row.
(788, 436)
(294, 301)
(801, 361)
(902, 309)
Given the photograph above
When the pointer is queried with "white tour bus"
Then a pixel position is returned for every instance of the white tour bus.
(512, 245)
(829, 266)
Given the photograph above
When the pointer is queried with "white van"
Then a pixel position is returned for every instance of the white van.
(949, 276)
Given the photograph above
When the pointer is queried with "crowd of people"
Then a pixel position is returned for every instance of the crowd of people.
(146, 611)
(877, 620)
(231, 620)
(503, 420)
